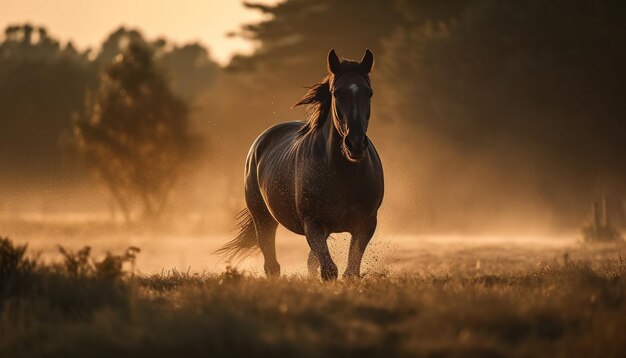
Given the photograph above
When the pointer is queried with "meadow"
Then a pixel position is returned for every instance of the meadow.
(500, 126)
(421, 297)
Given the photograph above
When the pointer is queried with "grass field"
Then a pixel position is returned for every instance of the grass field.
(483, 300)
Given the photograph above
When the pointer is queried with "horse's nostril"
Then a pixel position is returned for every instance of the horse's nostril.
(356, 145)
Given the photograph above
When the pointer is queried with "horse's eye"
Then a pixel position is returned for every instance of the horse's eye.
(371, 94)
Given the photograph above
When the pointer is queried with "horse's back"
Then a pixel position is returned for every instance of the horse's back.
(277, 136)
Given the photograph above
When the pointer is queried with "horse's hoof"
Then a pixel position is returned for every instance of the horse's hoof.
(272, 275)
(272, 271)
(330, 273)
(351, 275)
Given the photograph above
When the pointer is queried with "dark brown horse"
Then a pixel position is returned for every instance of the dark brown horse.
(317, 177)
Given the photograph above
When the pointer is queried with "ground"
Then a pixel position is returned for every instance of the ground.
(420, 296)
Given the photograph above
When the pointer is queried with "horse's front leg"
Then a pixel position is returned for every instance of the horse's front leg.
(317, 236)
(360, 238)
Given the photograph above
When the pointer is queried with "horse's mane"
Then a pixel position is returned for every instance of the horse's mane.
(318, 97)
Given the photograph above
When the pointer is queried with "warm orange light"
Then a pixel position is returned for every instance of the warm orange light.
(87, 23)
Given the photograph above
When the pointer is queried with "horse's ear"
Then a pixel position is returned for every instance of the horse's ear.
(333, 62)
(368, 61)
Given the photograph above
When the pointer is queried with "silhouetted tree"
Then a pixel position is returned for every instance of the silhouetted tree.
(41, 84)
(298, 32)
(135, 133)
(190, 68)
(117, 42)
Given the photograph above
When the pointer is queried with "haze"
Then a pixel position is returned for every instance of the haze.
(488, 123)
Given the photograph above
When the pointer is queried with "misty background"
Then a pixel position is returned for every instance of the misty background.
(488, 115)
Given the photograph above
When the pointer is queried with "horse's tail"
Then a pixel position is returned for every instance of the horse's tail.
(245, 242)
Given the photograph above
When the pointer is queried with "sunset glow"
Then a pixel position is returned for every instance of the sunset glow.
(88, 23)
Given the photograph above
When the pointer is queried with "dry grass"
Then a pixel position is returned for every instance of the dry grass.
(564, 308)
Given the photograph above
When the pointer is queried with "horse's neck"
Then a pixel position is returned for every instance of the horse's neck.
(328, 137)
(333, 140)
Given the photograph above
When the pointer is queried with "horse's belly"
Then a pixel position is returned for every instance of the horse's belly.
(286, 216)
(281, 203)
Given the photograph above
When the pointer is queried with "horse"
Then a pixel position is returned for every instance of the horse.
(316, 177)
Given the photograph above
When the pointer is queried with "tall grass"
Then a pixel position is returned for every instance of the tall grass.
(565, 308)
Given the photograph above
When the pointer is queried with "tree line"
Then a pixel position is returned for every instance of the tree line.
(488, 97)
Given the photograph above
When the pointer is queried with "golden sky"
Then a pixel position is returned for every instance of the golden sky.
(88, 22)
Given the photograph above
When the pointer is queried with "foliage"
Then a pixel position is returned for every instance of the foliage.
(136, 134)
(35, 297)
(297, 34)
(41, 84)
(13, 260)
(15, 263)
(44, 82)
(189, 67)
(81, 263)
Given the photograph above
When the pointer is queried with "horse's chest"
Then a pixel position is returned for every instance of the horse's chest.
(340, 205)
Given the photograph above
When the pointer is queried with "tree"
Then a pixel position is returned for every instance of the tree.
(298, 33)
(189, 67)
(135, 133)
(41, 84)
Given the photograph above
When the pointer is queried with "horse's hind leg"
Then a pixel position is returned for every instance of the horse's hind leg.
(264, 226)
(358, 244)
(266, 235)
(313, 264)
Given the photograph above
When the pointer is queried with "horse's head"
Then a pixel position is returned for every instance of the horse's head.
(351, 99)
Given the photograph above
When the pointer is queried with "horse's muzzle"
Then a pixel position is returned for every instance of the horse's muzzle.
(356, 147)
